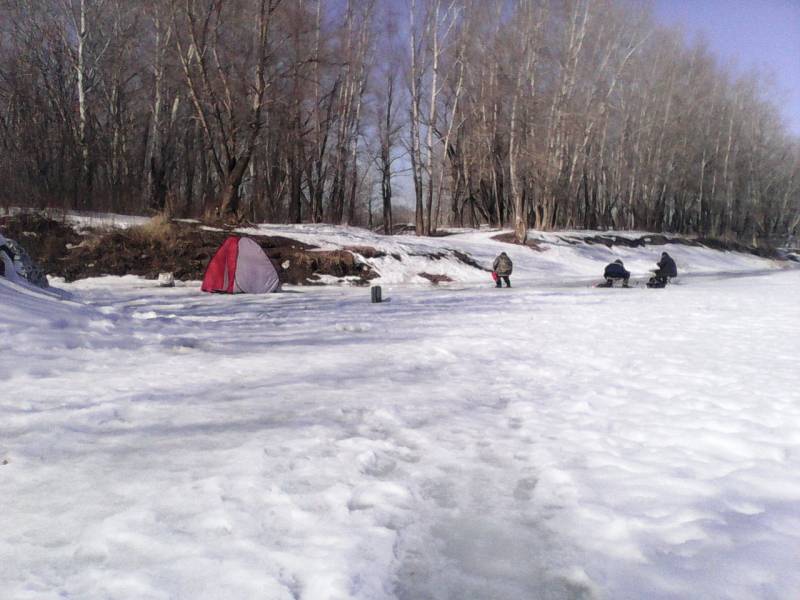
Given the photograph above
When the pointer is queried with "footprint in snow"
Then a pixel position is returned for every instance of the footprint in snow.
(515, 423)
(525, 487)
(441, 491)
(182, 344)
(353, 327)
(375, 465)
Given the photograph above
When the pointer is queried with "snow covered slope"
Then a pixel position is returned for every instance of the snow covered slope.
(451, 443)
(558, 262)
(465, 256)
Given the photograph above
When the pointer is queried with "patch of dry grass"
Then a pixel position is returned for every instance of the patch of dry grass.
(158, 230)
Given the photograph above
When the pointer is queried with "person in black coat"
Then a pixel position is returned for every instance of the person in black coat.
(666, 269)
(616, 270)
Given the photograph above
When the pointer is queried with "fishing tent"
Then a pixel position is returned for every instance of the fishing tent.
(240, 266)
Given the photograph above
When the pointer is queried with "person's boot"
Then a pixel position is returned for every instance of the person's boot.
(498, 285)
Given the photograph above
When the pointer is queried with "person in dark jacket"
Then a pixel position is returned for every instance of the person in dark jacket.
(616, 270)
(666, 269)
(502, 268)
(5, 250)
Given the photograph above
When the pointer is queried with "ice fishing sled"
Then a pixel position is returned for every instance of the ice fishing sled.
(613, 282)
(658, 282)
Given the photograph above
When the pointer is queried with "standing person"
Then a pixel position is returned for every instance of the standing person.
(502, 269)
(667, 269)
(616, 270)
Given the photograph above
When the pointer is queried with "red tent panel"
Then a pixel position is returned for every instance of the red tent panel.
(221, 271)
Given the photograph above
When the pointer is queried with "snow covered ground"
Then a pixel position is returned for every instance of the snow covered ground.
(82, 220)
(105, 220)
(452, 443)
(559, 262)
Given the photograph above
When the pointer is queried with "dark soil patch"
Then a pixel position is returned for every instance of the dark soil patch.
(659, 239)
(435, 279)
(508, 238)
(404, 229)
(411, 229)
(733, 246)
(613, 240)
(183, 249)
(47, 241)
(366, 251)
(627, 242)
(461, 257)
(616, 240)
(430, 255)
(468, 260)
(304, 267)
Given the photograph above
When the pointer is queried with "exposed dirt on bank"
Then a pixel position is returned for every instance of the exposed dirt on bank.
(183, 249)
(658, 239)
(508, 238)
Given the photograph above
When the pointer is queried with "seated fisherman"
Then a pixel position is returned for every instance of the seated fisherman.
(667, 269)
(616, 271)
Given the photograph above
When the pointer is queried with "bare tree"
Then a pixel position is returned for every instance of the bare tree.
(521, 113)
(211, 71)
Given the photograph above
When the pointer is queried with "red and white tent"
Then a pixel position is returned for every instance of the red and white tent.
(240, 267)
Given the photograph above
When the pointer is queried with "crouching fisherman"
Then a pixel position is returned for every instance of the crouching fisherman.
(616, 271)
(667, 269)
(501, 270)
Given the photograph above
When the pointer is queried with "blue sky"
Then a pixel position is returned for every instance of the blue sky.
(751, 34)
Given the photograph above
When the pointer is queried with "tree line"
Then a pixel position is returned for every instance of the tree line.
(525, 113)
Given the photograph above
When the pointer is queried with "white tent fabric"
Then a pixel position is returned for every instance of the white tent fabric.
(255, 274)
